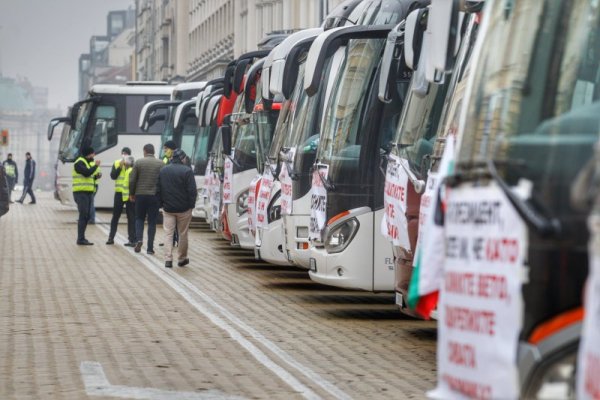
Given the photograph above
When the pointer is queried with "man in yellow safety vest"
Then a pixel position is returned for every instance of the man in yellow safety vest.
(83, 190)
(12, 174)
(168, 149)
(119, 174)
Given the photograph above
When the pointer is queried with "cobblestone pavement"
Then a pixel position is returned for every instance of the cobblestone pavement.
(226, 325)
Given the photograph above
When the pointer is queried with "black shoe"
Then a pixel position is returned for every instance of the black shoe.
(138, 247)
(110, 241)
(32, 202)
(168, 264)
(161, 244)
(183, 262)
(150, 251)
(84, 242)
(129, 244)
(20, 201)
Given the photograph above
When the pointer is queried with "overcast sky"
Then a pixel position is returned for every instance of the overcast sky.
(42, 40)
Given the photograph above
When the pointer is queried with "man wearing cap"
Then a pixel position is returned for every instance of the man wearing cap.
(176, 191)
(168, 149)
(118, 173)
(84, 170)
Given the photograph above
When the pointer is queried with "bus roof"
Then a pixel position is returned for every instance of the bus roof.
(131, 89)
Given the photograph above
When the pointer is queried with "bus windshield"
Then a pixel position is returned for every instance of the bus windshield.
(201, 147)
(245, 144)
(69, 149)
(265, 122)
(535, 104)
(168, 132)
(188, 134)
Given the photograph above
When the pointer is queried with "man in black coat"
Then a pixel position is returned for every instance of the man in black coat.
(176, 191)
(4, 194)
(28, 177)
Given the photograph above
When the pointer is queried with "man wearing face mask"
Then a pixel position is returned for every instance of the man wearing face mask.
(118, 173)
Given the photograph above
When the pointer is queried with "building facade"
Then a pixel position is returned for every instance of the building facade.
(109, 57)
(161, 49)
(221, 30)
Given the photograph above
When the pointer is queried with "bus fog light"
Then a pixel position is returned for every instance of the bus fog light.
(340, 236)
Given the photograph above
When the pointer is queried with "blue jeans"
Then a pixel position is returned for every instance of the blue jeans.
(146, 205)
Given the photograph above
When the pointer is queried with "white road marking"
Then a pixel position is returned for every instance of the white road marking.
(180, 284)
(96, 384)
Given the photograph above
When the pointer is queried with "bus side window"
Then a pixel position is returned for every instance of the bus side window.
(105, 132)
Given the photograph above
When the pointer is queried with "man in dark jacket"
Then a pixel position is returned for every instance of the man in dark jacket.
(28, 176)
(142, 190)
(4, 194)
(12, 174)
(176, 191)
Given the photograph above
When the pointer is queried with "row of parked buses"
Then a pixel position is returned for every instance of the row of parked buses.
(443, 149)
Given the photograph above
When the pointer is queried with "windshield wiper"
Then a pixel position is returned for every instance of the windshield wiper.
(327, 183)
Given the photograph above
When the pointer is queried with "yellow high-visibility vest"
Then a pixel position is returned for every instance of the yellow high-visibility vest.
(120, 183)
(125, 192)
(10, 170)
(82, 183)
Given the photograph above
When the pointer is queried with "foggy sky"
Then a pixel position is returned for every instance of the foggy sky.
(42, 40)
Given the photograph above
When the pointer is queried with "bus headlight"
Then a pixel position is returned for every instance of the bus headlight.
(340, 236)
(242, 203)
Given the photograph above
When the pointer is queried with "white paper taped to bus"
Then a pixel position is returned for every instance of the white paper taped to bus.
(264, 197)
(251, 210)
(481, 305)
(318, 202)
(394, 225)
(227, 181)
(286, 190)
(588, 368)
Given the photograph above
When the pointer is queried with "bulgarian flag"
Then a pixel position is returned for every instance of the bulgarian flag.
(429, 260)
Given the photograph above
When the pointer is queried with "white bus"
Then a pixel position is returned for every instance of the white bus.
(106, 120)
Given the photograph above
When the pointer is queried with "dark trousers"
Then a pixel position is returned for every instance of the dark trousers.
(116, 214)
(27, 190)
(11, 186)
(130, 211)
(146, 205)
(83, 201)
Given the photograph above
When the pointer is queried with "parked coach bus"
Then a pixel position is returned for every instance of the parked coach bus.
(107, 120)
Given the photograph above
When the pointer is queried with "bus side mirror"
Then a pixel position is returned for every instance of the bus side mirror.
(226, 138)
(54, 122)
(152, 120)
(444, 21)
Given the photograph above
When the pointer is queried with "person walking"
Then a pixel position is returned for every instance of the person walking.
(118, 174)
(84, 169)
(176, 191)
(142, 191)
(4, 193)
(12, 174)
(28, 176)
(129, 205)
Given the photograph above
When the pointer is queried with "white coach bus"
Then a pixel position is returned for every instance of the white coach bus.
(107, 120)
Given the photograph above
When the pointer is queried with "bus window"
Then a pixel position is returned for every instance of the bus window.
(105, 133)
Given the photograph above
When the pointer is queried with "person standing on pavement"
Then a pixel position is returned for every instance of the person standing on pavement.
(142, 191)
(97, 175)
(176, 191)
(84, 169)
(168, 149)
(129, 205)
(12, 174)
(118, 174)
(4, 193)
(28, 176)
